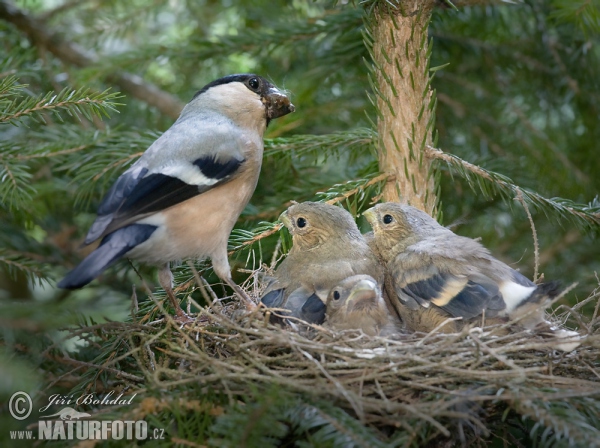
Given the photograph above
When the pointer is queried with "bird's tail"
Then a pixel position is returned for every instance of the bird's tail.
(543, 292)
(532, 316)
(112, 247)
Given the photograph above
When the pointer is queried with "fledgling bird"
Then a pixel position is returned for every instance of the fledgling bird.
(327, 248)
(433, 274)
(356, 303)
(182, 197)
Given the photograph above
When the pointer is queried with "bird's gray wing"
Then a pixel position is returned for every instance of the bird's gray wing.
(458, 296)
(302, 286)
(175, 168)
(432, 273)
(302, 303)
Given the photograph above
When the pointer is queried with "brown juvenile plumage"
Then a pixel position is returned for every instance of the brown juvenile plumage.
(327, 248)
(356, 303)
(433, 274)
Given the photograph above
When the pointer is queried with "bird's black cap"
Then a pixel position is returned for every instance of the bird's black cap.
(244, 78)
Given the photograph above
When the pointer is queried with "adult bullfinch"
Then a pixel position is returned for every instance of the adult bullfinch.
(182, 197)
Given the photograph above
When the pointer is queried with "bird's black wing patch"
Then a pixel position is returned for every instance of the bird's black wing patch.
(120, 190)
(301, 303)
(313, 310)
(455, 295)
(156, 192)
(213, 168)
(473, 300)
(152, 194)
(423, 292)
(112, 201)
(273, 299)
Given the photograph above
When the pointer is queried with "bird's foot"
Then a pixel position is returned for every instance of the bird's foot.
(181, 317)
(248, 302)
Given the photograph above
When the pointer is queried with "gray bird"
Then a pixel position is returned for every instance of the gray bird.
(356, 303)
(327, 248)
(182, 197)
(434, 274)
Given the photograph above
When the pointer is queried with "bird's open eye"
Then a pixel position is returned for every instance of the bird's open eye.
(301, 222)
(336, 295)
(387, 219)
(254, 83)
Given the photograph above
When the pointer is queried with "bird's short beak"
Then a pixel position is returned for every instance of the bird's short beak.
(363, 296)
(285, 219)
(277, 104)
(371, 216)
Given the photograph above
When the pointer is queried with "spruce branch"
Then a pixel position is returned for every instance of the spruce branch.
(340, 25)
(492, 184)
(584, 13)
(355, 139)
(15, 184)
(71, 53)
(359, 187)
(72, 102)
(536, 246)
(58, 153)
(9, 85)
(16, 262)
(574, 419)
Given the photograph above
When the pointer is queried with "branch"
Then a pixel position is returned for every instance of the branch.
(387, 177)
(72, 102)
(71, 53)
(504, 186)
(536, 246)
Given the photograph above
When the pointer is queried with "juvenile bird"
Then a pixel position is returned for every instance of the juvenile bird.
(327, 248)
(183, 196)
(356, 303)
(434, 274)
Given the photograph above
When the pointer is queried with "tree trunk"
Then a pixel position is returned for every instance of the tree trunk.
(405, 102)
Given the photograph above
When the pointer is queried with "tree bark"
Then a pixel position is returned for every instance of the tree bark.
(404, 100)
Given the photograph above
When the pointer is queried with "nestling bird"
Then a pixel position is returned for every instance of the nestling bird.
(356, 303)
(182, 197)
(327, 248)
(433, 274)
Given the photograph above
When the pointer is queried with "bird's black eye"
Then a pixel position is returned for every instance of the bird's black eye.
(387, 219)
(336, 295)
(301, 222)
(254, 83)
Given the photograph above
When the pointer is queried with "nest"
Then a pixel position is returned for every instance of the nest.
(416, 389)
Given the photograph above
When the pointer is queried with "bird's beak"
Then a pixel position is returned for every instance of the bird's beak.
(363, 296)
(371, 216)
(278, 104)
(285, 219)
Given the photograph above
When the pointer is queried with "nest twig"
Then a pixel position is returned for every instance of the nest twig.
(405, 381)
